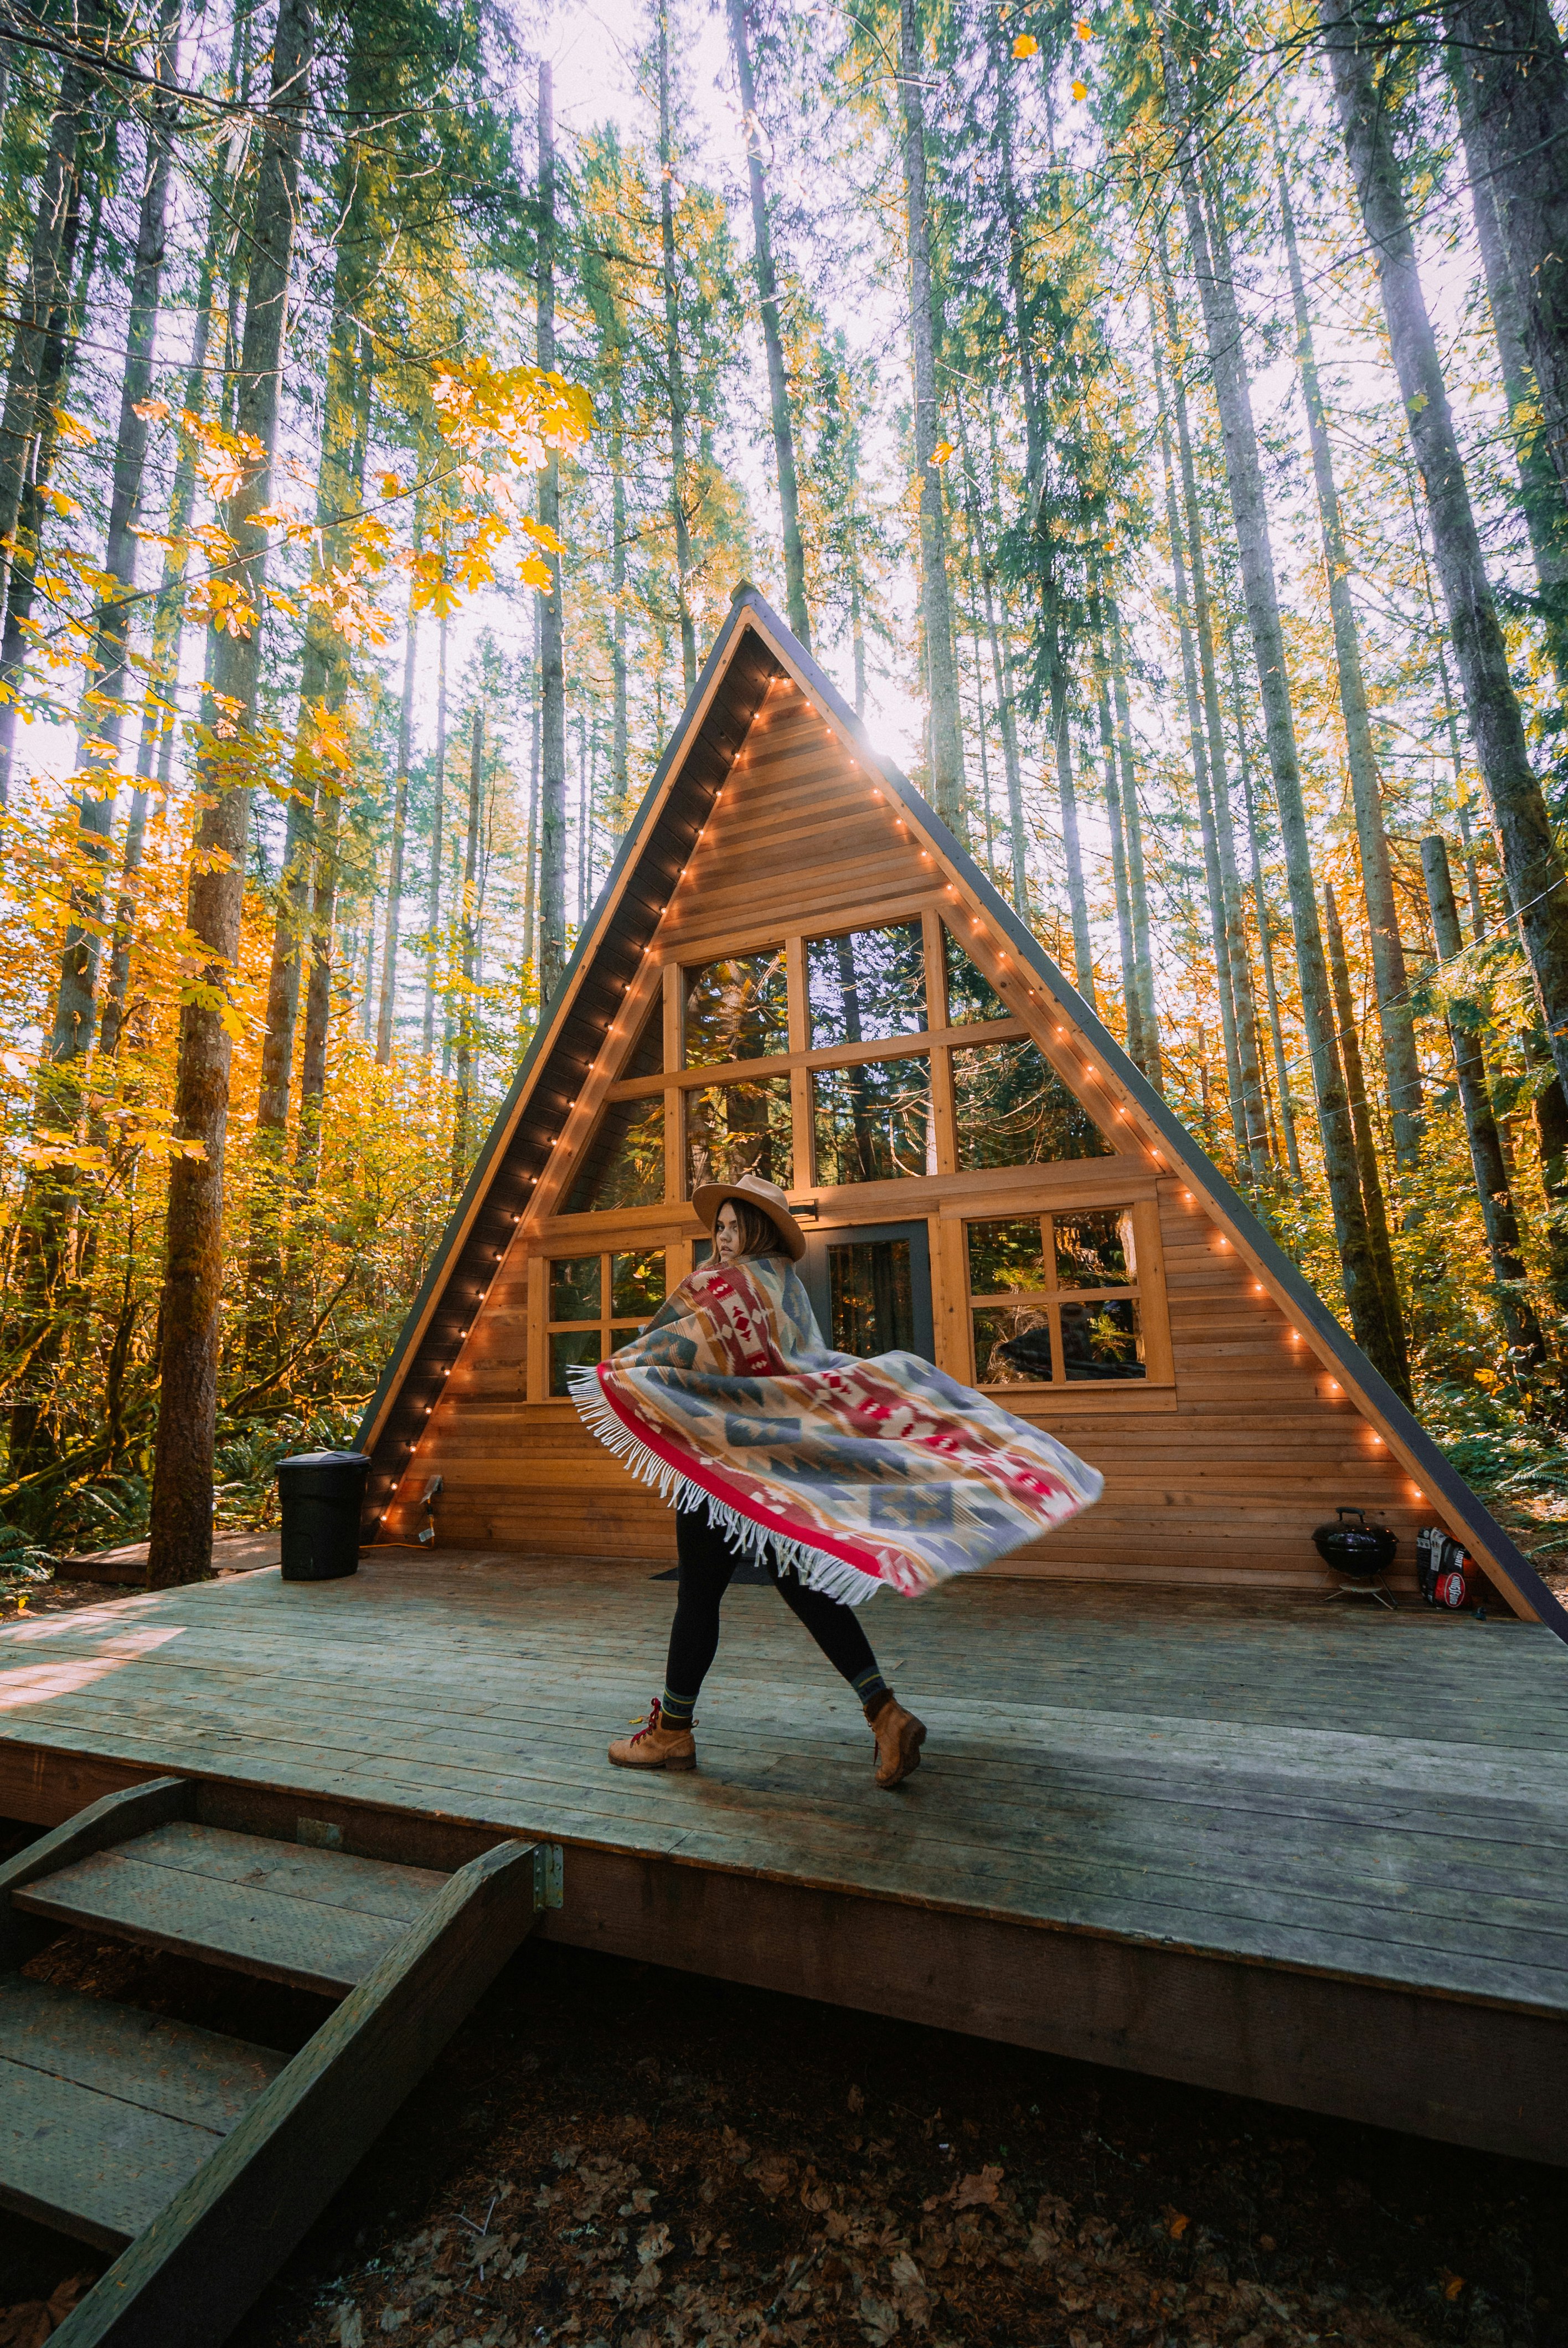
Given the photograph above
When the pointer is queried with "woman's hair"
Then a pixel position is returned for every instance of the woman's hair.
(759, 1234)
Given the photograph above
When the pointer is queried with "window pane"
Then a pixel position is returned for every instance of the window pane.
(867, 985)
(874, 1123)
(970, 994)
(1102, 1340)
(648, 1055)
(1005, 1255)
(637, 1281)
(1013, 1110)
(569, 1348)
(1012, 1345)
(739, 1129)
(623, 1165)
(873, 1295)
(574, 1289)
(1095, 1250)
(737, 1010)
(619, 1338)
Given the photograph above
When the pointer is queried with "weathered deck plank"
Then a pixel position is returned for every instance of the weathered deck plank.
(1383, 1801)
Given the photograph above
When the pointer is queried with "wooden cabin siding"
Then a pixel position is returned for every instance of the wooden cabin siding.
(1216, 1470)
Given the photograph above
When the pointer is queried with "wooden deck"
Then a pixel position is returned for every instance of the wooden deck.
(1318, 1856)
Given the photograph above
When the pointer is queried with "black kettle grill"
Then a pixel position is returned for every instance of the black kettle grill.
(1359, 1553)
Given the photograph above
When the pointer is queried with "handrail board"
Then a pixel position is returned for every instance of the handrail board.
(103, 1823)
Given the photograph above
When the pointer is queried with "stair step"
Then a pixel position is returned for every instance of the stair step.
(317, 1919)
(105, 2111)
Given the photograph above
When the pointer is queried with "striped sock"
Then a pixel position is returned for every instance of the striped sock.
(676, 1710)
(871, 1687)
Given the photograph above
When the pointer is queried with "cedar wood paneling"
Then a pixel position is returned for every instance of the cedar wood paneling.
(1220, 1479)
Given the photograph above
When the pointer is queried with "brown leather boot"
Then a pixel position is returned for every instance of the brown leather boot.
(899, 1737)
(654, 1747)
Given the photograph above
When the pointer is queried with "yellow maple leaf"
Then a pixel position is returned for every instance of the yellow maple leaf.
(153, 411)
(1026, 45)
(390, 487)
(534, 573)
(942, 452)
(1082, 28)
(438, 596)
(1080, 90)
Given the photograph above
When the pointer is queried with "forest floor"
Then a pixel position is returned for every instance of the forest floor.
(614, 2155)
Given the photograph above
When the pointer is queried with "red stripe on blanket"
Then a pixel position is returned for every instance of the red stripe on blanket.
(743, 1316)
(718, 1488)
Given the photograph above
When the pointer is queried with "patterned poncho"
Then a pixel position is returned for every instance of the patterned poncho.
(858, 1473)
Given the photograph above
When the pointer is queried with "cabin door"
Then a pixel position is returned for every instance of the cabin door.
(870, 1288)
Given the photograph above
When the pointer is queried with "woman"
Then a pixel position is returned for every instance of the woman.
(840, 1475)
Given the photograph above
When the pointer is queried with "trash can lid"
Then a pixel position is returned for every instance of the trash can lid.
(325, 1459)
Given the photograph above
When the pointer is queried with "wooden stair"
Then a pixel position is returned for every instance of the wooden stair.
(198, 2159)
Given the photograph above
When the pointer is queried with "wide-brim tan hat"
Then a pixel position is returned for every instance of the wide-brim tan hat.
(708, 1197)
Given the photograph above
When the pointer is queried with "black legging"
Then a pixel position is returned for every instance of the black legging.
(707, 1562)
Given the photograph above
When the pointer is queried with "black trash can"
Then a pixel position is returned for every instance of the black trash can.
(322, 1494)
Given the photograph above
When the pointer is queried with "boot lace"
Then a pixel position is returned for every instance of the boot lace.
(652, 1722)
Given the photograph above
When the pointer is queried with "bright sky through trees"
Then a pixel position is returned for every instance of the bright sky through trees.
(382, 441)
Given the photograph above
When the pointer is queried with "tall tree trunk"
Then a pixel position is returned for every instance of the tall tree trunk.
(463, 1107)
(388, 1010)
(1254, 1113)
(1137, 881)
(302, 931)
(52, 1194)
(1510, 56)
(1071, 847)
(181, 1541)
(619, 760)
(1395, 1021)
(1549, 1113)
(935, 611)
(552, 665)
(53, 364)
(156, 745)
(341, 481)
(44, 294)
(1531, 862)
(1249, 512)
(531, 871)
(1498, 1214)
(1001, 671)
(1541, 493)
(41, 1259)
(1361, 1127)
(674, 375)
(1265, 931)
(438, 819)
(99, 743)
(973, 556)
(773, 340)
(1199, 747)
(1132, 1004)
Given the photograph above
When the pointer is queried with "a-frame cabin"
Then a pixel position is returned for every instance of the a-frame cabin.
(794, 965)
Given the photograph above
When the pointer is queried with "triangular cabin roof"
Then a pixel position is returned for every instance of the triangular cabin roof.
(754, 650)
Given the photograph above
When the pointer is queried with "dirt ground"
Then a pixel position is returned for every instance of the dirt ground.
(614, 2155)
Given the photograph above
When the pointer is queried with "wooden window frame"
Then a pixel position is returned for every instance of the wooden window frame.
(608, 1320)
(948, 1200)
(1147, 1291)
